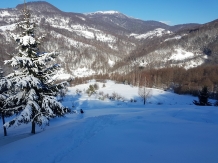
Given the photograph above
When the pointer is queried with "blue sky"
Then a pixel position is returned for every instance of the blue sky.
(172, 12)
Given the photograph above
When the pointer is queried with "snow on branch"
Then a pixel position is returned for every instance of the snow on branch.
(28, 81)
(23, 117)
(20, 62)
(14, 100)
(27, 40)
(53, 107)
(5, 84)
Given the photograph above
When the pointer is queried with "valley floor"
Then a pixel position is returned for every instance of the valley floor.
(168, 129)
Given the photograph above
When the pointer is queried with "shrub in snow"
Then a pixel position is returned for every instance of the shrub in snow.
(133, 100)
(101, 96)
(113, 96)
(116, 96)
(101, 93)
(96, 86)
(106, 96)
(91, 90)
(216, 103)
(35, 94)
(78, 92)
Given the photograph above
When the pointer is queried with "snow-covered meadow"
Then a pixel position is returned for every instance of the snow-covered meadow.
(168, 129)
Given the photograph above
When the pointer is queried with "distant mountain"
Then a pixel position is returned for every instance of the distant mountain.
(189, 47)
(40, 7)
(109, 41)
(127, 24)
(182, 27)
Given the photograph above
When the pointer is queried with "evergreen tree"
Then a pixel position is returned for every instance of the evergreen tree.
(203, 98)
(216, 103)
(35, 100)
(91, 90)
(5, 86)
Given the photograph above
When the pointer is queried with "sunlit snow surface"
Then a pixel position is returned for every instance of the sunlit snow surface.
(181, 55)
(83, 72)
(104, 12)
(174, 38)
(4, 13)
(8, 27)
(155, 33)
(192, 60)
(61, 75)
(168, 129)
(111, 63)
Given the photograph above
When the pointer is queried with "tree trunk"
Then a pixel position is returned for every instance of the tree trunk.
(33, 128)
(3, 120)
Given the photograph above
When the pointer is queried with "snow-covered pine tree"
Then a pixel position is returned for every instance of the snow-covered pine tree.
(35, 100)
(5, 86)
(203, 97)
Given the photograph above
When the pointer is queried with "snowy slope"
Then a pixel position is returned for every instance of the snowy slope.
(167, 129)
(8, 27)
(159, 32)
(176, 56)
(80, 40)
(104, 12)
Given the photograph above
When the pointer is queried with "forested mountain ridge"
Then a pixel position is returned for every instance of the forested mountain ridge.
(107, 42)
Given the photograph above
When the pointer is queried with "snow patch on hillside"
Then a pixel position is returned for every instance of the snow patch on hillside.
(61, 75)
(4, 13)
(155, 33)
(70, 41)
(104, 12)
(8, 27)
(85, 33)
(111, 63)
(89, 33)
(177, 57)
(177, 37)
(192, 60)
(113, 46)
(181, 55)
(193, 63)
(84, 19)
(83, 72)
(173, 38)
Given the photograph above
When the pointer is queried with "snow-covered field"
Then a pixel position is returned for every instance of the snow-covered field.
(168, 129)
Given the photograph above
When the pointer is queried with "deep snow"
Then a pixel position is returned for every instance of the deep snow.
(168, 129)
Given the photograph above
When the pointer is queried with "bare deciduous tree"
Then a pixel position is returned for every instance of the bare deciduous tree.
(144, 93)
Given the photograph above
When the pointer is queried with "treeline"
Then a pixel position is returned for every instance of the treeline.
(178, 79)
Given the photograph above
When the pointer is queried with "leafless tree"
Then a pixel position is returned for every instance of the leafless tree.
(144, 93)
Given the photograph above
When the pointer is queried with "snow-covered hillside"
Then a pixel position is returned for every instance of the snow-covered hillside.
(169, 57)
(169, 128)
(104, 12)
(155, 33)
(101, 42)
(81, 41)
(8, 27)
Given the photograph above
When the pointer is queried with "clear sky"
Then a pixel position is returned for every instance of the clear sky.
(171, 12)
